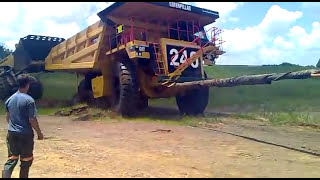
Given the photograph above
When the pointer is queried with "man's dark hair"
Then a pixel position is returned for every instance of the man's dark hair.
(23, 80)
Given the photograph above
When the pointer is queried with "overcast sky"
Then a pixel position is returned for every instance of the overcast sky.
(255, 32)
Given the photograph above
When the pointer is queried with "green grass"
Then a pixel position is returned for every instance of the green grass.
(2, 109)
(298, 95)
(287, 95)
(58, 85)
(293, 118)
(48, 111)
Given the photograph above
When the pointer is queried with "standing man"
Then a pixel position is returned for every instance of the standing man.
(21, 118)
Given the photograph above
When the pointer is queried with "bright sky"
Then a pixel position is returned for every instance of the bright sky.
(255, 32)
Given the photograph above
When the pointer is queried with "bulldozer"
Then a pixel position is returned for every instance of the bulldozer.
(28, 57)
(144, 50)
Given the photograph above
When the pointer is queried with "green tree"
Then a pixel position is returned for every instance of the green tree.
(4, 51)
(318, 64)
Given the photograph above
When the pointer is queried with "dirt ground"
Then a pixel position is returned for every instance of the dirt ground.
(150, 149)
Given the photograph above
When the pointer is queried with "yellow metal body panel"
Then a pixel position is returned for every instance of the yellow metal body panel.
(98, 87)
(107, 70)
(131, 54)
(78, 52)
(145, 55)
(8, 61)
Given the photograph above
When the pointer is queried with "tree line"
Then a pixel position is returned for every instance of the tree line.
(4, 51)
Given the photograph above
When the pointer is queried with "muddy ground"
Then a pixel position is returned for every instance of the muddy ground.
(228, 148)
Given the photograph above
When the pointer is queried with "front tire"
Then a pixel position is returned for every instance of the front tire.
(126, 90)
(193, 102)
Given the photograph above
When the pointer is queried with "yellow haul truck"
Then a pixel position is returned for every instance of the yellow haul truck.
(139, 50)
(142, 50)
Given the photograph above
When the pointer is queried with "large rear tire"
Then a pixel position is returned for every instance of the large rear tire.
(126, 90)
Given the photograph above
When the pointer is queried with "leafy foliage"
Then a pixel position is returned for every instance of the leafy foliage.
(4, 51)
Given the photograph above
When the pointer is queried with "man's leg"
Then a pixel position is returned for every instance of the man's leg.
(13, 156)
(25, 167)
(26, 156)
(9, 167)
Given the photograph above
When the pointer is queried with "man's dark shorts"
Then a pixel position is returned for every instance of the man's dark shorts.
(20, 144)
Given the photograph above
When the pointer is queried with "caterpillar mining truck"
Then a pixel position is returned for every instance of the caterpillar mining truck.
(28, 57)
(143, 50)
(140, 50)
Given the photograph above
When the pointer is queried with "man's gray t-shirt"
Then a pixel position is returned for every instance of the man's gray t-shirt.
(21, 107)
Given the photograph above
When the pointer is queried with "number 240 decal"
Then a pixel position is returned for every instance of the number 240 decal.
(183, 58)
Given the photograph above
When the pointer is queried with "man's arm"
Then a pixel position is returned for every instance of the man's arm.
(33, 119)
(7, 117)
(7, 110)
(35, 125)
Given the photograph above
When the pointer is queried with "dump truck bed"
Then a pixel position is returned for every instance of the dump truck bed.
(80, 52)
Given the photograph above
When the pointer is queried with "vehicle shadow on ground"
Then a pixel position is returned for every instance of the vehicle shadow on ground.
(167, 113)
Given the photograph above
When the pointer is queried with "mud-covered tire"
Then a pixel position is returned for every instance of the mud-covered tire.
(127, 99)
(36, 90)
(5, 88)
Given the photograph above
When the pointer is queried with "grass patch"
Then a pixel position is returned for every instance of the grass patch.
(48, 111)
(293, 118)
(58, 85)
(287, 95)
(247, 116)
(2, 109)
